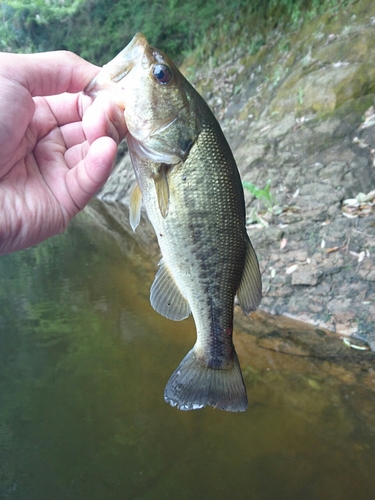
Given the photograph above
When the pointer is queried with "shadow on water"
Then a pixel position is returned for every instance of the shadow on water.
(83, 364)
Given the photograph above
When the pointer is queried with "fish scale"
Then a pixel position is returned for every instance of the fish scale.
(191, 189)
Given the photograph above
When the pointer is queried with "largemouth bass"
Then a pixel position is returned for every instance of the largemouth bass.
(189, 183)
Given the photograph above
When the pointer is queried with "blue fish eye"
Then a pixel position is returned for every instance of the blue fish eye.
(162, 73)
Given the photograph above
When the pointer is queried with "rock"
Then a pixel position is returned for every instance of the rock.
(306, 275)
(341, 304)
(120, 183)
(367, 272)
(324, 89)
(247, 156)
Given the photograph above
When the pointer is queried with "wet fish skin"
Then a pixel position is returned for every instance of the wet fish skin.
(193, 195)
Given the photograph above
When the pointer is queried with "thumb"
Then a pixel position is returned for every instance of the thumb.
(90, 174)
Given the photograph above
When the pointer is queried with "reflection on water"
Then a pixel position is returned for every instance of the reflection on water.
(83, 364)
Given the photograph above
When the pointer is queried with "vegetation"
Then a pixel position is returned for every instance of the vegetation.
(263, 195)
(98, 29)
(267, 206)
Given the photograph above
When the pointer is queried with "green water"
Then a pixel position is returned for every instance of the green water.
(83, 364)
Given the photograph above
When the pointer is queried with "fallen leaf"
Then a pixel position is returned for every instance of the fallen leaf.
(349, 216)
(296, 194)
(291, 269)
(283, 243)
(354, 253)
(332, 249)
(354, 346)
(362, 144)
(352, 202)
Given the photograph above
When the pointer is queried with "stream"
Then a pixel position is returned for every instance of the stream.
(84, 360)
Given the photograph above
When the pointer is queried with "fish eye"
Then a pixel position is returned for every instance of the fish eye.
(162, 73)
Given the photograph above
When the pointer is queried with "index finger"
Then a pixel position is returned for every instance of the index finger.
(48, 73)
(65, 108)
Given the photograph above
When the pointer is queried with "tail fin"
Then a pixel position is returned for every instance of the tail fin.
(195, 385)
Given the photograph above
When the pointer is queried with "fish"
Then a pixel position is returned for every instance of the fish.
(189, 184)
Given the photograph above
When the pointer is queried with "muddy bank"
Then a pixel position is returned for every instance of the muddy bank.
(300, 114)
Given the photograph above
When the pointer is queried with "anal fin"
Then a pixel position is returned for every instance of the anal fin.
(166, 298)
(249, 293)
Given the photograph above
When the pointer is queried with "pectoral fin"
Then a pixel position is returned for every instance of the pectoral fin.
(162, 190)
(166, 298)
(249, 293)
(135, 204)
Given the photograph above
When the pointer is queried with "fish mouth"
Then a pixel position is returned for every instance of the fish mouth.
(141, 57)
(119, 67)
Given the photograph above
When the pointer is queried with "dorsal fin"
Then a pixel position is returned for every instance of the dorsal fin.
(166, 298)
(249, 293)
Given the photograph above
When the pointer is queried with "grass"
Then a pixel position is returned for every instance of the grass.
(267, 206)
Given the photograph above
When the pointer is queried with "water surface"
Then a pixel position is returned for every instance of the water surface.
(83, 364)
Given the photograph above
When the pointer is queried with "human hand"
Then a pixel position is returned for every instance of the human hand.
(57, 147)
